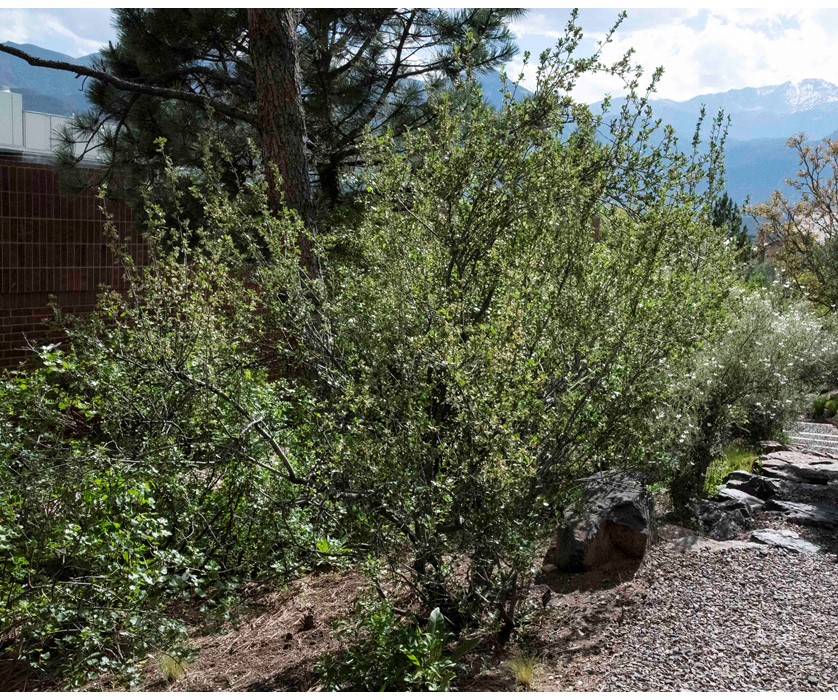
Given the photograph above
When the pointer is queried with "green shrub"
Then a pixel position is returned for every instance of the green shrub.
(749, 383)
(385, 653)
(133, 471)
(819, 406)
(503, 326)
(507, 307)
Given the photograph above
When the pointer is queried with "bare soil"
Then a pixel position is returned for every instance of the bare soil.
(276, 641)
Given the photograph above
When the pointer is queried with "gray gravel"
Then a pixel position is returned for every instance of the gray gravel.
(743, 619)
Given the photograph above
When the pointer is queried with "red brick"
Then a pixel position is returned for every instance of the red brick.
(51, 246)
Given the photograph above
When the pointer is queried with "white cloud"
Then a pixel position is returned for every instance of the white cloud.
(51, 29)
(80, 45)
(709, 50)
(14, 26)
(535, 24)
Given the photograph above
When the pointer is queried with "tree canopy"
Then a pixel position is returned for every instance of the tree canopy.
(804, 228)
(360, 69)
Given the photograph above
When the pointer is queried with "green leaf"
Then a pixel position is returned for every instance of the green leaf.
(436, 622)
(464, 647)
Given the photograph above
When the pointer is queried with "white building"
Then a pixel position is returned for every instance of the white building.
(31, 134)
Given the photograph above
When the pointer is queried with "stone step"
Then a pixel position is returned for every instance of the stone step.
(814, 434)
(817, 436)
(817, 445)
(820, 441)
(822, 428)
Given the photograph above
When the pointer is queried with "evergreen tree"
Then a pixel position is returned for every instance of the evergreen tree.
(359, 68)
(727, 217)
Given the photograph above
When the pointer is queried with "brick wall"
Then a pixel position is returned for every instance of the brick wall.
(52, 245)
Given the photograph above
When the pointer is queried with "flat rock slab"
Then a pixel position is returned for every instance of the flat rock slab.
(771, 446)
(786, 539)
(708, 544)
(737, 475)
(801, 458)
(800, 466)
(806, 514)
(757, 485)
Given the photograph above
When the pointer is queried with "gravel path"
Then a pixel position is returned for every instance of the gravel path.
(744, 619)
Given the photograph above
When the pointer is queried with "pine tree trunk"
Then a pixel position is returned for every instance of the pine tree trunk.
(329, 182)
(281, 121)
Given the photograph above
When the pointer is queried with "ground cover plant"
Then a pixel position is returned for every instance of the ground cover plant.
(733, 458)
(515, 295)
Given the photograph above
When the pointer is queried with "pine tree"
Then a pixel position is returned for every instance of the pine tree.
(727, 217)
(359, 68)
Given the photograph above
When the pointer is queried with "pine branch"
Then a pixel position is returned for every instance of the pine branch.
(128, 86)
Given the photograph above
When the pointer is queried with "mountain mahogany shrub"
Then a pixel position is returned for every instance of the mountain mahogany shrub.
(519, 289)
(499, 320)
(751, 381)
(135, 471)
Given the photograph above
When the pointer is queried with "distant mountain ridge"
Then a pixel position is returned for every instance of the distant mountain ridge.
(787, 98)
(44, 89)
(772, 111)
(762, 118)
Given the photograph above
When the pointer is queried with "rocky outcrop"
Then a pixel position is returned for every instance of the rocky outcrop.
(757, 486)
(801, 467)
(732, 492)
(779, 487)
(611, 525)
(797, 482)
(724, 520)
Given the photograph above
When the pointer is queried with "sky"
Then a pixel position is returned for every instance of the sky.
(702, 50)
(74, 32)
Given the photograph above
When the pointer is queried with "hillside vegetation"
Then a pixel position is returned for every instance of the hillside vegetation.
(511, 303)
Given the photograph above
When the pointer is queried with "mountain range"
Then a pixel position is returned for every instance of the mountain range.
(757, 159)
(762, 118)
(44, 89)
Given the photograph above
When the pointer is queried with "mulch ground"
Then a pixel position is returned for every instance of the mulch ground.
(717, 616)
(276, 642)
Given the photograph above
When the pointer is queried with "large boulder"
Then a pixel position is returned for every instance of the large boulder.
(611, 525)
